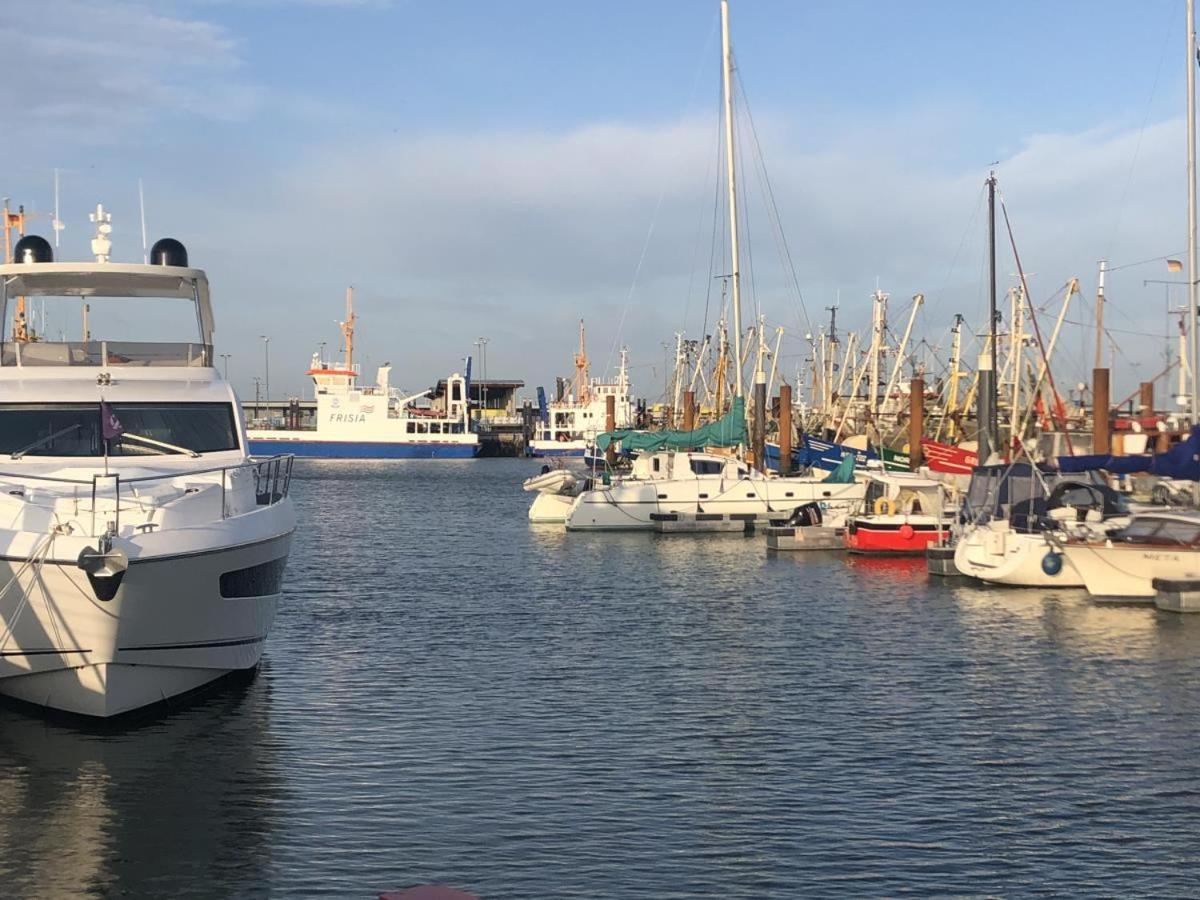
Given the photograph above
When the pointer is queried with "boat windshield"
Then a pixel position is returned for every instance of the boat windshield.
(74, 429)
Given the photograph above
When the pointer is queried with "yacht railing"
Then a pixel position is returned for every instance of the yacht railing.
(272, 482)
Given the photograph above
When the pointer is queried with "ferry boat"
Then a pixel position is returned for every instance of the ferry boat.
(568, 427)
(142, 552)
(901, 515)
(376, 421)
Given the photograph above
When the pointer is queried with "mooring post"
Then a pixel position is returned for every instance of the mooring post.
(916, 421)
(759, 436)
(689, 410)
(785, 429)
(1101, 436)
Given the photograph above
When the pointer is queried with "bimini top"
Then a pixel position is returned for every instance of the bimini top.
(110, 280)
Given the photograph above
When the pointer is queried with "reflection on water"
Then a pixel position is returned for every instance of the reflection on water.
(451, 695)
(153, 809)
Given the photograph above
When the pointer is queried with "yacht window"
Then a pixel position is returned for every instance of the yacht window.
(706, 466)
(73, 429)
(422, 428)
(435, 427)
(412, 427)
(656, 465)
(1140, 529)
(1176, 532)
(456, 392)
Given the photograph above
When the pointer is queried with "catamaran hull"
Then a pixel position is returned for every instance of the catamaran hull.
(175, 624)
(316, 449)
(629, 507)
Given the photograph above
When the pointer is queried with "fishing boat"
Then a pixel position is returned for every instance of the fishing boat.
(375, 421)
(568, 425)
(901, 514)
(142, 551)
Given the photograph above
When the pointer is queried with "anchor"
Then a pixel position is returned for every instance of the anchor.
(105, 568)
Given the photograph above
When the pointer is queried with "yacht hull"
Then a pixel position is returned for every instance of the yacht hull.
(1118, 570)
(1016, 559)
(176, 623)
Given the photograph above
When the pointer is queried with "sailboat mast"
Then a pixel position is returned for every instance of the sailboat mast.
(993, 395)
(735, 274)
(1191, 170)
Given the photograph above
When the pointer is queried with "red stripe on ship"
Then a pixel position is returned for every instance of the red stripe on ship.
(948, 458)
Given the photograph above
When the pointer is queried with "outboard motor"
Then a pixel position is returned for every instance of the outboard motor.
(808, 515)
(33, 248)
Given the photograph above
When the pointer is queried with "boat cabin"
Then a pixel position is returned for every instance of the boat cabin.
(903, 493)
(685, 464)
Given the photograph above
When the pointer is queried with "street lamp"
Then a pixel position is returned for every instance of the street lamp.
(482, 343)
(267, 371)
(225, 357)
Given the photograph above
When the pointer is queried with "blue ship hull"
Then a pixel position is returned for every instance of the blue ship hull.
(363, 450)
(576, 452)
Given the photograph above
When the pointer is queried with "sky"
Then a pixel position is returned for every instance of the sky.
(500, 170)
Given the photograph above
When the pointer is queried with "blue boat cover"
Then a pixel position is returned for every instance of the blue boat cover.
(1181, 461)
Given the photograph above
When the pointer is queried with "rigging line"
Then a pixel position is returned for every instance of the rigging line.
(1137, 148)
(1142, 262)
(774, 207)
(657, 207)
(1037, 331)
(1149, 334)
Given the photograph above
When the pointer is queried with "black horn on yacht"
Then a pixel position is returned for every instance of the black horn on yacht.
(33, 248)
(168, 252)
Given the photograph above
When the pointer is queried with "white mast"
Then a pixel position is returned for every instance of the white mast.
(142, 210)
(735, 275)
(1191, 169)
(57, 225)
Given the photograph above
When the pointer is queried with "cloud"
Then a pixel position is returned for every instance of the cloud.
(90, 72)
(517, 234)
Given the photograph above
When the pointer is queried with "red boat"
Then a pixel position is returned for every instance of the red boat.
(948, 458)
(902, 514)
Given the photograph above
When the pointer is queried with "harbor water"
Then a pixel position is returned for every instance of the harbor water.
(451, 695)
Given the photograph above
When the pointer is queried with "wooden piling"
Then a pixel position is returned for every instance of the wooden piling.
(785, 429)
(610, 425)
(1146, 403)
(1101, 400)
(916, 421)
(689, 410)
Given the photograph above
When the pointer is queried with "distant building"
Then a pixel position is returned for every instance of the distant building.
(493, 401)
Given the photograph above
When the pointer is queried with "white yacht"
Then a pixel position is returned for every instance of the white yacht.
(1125, 561)
(141, 550)
(684, 482)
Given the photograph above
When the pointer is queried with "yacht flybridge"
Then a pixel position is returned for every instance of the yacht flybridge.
(141, 550)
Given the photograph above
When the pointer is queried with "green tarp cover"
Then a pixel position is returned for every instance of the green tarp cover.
(728, 431)
(844, 473)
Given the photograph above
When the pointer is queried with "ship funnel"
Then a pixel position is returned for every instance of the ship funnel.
(168, 252)
(33, 249)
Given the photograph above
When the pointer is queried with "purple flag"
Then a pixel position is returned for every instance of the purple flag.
(110, 425)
